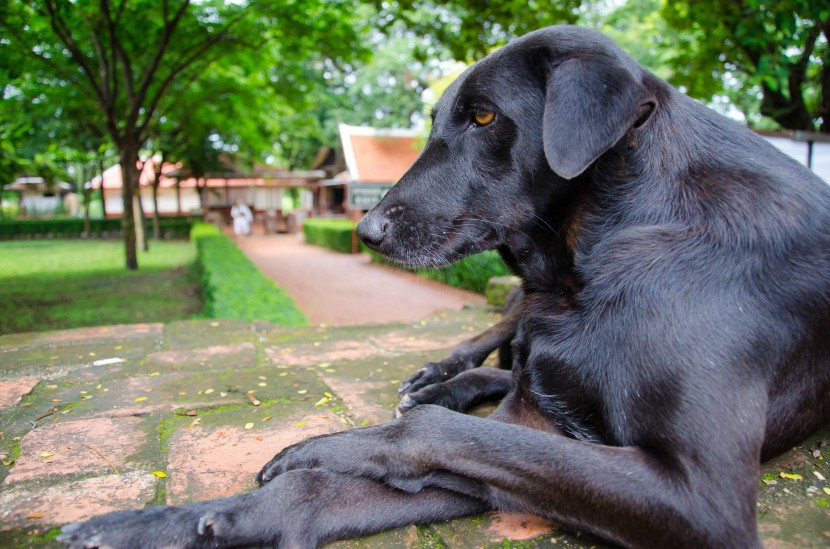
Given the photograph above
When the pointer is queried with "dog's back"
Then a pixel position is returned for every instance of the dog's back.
(723, 210)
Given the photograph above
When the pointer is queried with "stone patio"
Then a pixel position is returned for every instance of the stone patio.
(122, 417)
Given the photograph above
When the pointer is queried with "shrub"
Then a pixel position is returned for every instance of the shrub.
(335, 234)
(233, 287)
(470, 273)
(73, 227)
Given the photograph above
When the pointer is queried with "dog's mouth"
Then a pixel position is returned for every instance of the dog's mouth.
(428, 244)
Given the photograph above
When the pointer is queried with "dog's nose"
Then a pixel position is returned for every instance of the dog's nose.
(371, 230)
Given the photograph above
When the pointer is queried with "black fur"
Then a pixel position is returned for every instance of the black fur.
(674, 330)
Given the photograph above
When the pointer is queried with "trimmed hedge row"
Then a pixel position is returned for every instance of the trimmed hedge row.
(470, 273)
(171, 227)
(233, 287)
(335, 234)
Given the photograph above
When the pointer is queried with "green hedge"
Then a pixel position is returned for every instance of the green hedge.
(171, 227)
(470, 273)
(335, 234)
(233, 287)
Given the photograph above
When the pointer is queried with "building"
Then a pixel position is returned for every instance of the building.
(374, 159)
(264, 190)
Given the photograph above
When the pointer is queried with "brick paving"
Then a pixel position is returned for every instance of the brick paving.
(122, 417)
(335, 288)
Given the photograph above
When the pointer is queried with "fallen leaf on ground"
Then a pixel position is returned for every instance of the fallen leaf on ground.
(37, 515)
(249, 426)
(159, 474)
(140, 399)
(791, 476)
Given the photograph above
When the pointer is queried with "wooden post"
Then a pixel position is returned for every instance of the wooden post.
(356, 216)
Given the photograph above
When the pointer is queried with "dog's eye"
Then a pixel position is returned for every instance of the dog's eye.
(482, 118)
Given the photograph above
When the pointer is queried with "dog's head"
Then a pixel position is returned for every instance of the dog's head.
(508, 137)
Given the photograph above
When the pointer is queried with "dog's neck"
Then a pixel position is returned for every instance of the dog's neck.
(545, 251)
(542, 252)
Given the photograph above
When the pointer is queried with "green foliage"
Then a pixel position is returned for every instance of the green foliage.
(470, 273)
(767, 56)
(335, 234)
(60, 284)
(129, 72)
(233, 287)
(171, 227)
(472, 28)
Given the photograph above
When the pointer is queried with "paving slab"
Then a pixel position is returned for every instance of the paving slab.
(76, 447)
(124, 417)
(348, 288)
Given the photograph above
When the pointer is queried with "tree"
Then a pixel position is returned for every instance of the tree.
(471, 28)
(777, 47)
(130, 60)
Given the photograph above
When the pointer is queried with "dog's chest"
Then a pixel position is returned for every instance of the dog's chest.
(574, 376)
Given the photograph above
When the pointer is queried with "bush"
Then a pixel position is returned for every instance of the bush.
(470, 273)
(171, 227)
(335, 234)
(233, 287)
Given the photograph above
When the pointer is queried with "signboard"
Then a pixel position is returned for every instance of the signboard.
(365, 196)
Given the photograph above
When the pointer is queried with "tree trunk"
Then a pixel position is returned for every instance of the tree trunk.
(87, 193)
(101, 189)
(156, 183)
(128, 155)
(138, 212)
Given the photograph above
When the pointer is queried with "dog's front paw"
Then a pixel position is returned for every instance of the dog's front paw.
(288, 459)
(230, 522)
(359, 452)
(431, 373)
(439, 394)
(150, 528)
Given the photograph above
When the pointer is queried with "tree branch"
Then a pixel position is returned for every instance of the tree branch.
(118, 51)
(65, 35)
(150, 71)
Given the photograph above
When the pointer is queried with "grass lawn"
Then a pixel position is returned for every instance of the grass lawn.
(58, 284)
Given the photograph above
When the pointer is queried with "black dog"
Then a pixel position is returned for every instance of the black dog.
(431, 384)
(675, 326)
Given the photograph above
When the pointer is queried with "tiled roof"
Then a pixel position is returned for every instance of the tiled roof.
(379, 155)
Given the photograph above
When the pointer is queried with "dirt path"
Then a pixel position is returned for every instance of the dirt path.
(338, 289)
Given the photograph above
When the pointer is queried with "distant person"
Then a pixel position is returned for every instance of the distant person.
(242, 218)
(72, 204)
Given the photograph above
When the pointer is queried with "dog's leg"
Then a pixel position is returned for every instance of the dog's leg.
(462, 392)
(300, 509)
(470, 353)
(629, 495)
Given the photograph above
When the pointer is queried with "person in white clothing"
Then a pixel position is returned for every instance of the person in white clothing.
(242, 218)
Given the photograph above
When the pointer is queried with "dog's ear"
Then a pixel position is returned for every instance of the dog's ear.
(591, 102)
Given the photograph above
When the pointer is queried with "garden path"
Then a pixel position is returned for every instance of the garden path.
(340, 289)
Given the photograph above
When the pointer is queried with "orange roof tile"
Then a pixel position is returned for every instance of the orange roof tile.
(379, 155)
